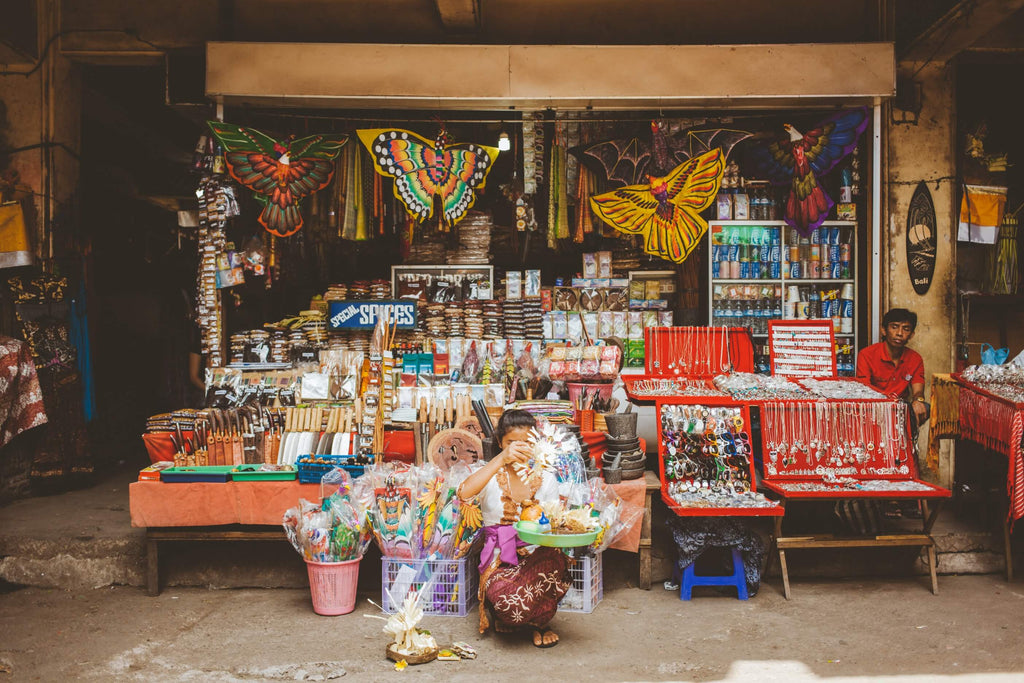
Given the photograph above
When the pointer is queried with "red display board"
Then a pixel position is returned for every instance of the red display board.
(697, 351)
(840, 448)
(681, 361)
(802, 348)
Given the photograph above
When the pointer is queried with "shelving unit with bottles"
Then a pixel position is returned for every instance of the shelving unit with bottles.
(763, 270)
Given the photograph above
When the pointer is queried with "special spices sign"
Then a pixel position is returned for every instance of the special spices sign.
(363, 315)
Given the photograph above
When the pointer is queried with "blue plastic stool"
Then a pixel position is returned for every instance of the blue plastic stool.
(738, 578)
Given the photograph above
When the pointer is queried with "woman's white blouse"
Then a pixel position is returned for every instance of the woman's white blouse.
(493, 509)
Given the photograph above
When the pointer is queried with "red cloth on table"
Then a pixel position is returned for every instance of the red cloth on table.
(21, 399)
(633, 491)
(891, 377)
(999, 426)
(154, 503)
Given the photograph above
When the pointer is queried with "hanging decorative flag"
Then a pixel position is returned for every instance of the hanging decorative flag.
(666, 211)
(280, 173)
(921, 240)
(423, 170)
(799, 161)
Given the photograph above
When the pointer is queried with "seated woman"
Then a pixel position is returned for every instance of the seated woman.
(520, 589)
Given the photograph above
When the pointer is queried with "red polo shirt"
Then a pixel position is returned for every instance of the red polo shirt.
(887, 375)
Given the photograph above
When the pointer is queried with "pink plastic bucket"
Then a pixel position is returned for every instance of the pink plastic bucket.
(333, 586)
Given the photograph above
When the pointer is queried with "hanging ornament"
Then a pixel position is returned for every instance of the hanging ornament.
(280, 173)
(667, 210)
(799, 161)
(423, 170)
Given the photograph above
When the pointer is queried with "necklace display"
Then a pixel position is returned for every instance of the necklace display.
(707, 457)
(1004, 381)
(835, 439)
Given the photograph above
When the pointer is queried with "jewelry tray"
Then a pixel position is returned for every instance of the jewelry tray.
(879, 465)
(693, 355)
(706, 408)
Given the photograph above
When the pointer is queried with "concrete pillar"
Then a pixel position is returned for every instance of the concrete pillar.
(925, 151)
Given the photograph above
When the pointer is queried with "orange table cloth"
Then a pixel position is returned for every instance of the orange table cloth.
(154, 503)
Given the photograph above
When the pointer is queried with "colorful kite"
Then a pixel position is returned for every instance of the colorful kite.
(280, 173)
(803, 158)
(667, 210)
(423, 170)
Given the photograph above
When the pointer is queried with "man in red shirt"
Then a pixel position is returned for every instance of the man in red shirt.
(891, 367)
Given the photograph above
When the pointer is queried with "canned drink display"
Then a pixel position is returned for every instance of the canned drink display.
(846, 326)
(716, 268)
(733, 253)
(833, 253)
(844, 252)
(835, 270)
(755, 253)
(844, 270)
(846, 308)
(833, 235)
(744, 270)
(815, 236)
(795, 270)
(776, 236)
(814, 270)
(815, 252)
(734, 270)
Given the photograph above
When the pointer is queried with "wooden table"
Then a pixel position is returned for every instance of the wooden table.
(653, 484)
(922, 540)
(252, 511)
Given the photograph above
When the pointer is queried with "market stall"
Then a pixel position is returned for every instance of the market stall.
(991, 413)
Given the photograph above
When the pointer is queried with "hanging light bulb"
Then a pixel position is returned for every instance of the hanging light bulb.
(504, 144)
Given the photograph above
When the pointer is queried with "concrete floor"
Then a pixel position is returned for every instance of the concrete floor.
(840, 631)
(85, 615)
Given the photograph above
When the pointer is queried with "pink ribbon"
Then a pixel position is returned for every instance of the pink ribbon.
(504, 538)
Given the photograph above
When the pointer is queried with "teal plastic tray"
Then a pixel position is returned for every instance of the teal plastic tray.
(556, 540)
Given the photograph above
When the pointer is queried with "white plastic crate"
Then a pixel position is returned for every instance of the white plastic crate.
(587, 585)
(454, 588)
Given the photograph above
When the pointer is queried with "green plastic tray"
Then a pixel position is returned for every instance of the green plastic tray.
(556, 540)
(252, 473)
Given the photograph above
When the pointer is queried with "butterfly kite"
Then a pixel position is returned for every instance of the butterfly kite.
(423, 170)
(803, 158)
(667, 210)
(280, 173)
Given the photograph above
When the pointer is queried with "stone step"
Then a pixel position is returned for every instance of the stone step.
(84, 539)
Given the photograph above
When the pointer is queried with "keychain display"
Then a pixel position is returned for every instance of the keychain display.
(706, 452)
